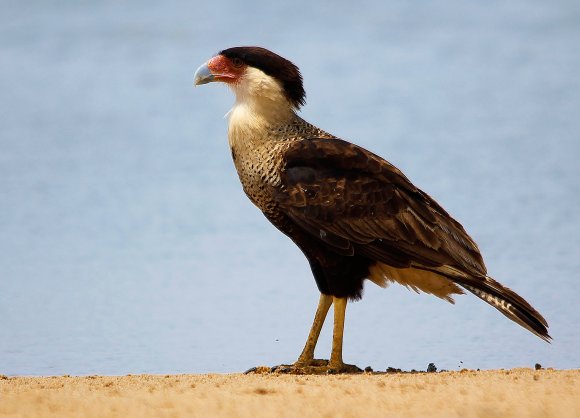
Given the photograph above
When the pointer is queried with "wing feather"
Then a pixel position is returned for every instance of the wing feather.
(353, 200)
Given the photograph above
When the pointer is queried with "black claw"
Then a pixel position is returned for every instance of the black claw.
(252, 370)
(281, 368)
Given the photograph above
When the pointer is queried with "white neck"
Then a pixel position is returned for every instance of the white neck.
(260, 104)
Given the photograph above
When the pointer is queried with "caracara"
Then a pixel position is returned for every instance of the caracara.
(353, 214)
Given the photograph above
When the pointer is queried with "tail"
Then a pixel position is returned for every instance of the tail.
(507, 302)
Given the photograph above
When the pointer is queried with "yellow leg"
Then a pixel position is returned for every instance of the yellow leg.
(307, 355)
(339, 314)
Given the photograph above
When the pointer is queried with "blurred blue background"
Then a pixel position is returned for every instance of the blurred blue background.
(128, 246)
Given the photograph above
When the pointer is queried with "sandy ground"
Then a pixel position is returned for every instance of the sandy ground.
(500, 393)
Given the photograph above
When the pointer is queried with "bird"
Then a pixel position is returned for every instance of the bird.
(354, 215)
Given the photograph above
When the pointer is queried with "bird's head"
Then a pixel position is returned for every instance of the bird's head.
(256, 75)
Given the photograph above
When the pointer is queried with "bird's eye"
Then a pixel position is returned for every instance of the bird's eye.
(237, 62)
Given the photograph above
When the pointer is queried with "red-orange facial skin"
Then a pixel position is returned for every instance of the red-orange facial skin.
(226, 70)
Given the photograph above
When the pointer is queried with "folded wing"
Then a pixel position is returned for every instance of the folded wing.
(354, 200)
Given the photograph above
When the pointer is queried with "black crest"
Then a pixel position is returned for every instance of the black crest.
(274, 65)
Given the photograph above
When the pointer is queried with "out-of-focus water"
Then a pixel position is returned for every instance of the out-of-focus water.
(127, 245)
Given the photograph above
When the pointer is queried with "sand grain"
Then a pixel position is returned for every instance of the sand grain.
(500, 393)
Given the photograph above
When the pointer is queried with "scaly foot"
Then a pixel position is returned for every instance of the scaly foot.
(315, 366)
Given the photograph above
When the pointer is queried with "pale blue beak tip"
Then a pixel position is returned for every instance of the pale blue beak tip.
(203, 75)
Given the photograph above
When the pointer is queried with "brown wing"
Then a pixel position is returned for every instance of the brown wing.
(356, 201)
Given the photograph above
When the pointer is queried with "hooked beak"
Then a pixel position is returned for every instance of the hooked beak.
(203, 75)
